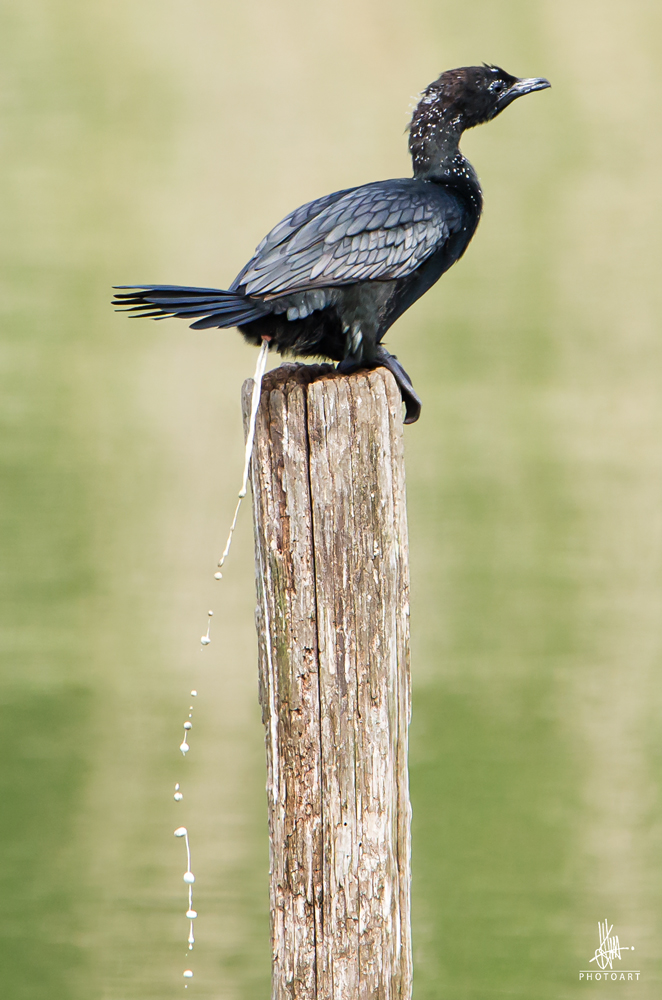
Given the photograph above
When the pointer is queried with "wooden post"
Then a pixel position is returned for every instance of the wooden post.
(332, 613)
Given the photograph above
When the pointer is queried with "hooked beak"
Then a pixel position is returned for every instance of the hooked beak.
(521, 87)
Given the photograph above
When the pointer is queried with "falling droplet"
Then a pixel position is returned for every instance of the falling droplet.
(250, 438)
(189, 877)
(205, 639)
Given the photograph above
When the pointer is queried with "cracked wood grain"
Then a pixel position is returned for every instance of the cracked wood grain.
(332, 613)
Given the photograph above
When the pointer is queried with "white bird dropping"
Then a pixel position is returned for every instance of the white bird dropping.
(206, 639)
(255, 402)
(181, 831)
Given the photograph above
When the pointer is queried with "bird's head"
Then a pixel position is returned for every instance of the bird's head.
(472, 95)
(460, 99)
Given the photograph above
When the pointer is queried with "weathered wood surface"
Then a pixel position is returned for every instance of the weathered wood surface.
(332, 619)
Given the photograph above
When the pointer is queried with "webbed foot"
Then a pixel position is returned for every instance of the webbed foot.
(412, 402)
(383, 359)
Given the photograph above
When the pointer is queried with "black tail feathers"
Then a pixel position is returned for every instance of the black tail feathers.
(214, 306)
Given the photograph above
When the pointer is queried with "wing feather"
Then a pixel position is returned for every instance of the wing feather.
(379, 232)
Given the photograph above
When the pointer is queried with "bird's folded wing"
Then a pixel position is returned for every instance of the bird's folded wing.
(377, 232)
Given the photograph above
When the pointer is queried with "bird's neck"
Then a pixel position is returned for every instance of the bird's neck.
(437, 157)
(434, 144)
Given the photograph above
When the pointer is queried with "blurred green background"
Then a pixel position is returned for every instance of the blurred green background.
(146, 141)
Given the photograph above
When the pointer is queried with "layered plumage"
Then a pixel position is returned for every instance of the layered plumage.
(334, 275)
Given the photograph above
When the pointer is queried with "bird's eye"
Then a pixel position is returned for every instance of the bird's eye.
(498, 86)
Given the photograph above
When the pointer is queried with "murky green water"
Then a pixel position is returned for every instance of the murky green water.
(158, 141)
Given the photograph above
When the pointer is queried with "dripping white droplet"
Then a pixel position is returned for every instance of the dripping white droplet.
(188, 725)
(205, 640)
(177, 787)
(191, 914)
(194, 694)
(188, 974)
(189, 878)
(184, 747)
(180, 831)
(211, 614)
(218, 576)
(255, 402)
(178, 796)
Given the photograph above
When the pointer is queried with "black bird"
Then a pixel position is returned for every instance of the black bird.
(334, 275)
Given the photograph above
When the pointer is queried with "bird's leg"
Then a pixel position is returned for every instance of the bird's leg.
(353, 349)
(385, 360)
(354, 359)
